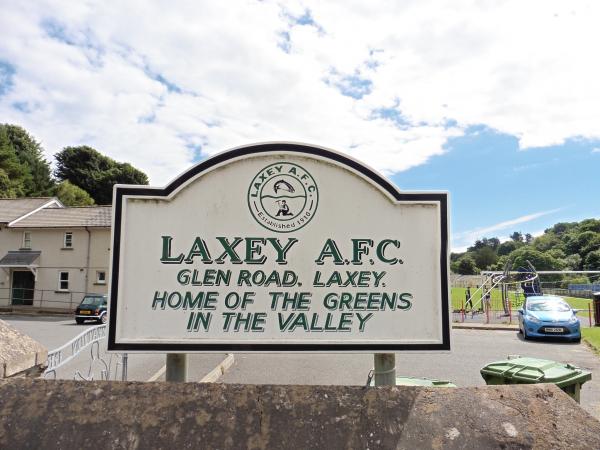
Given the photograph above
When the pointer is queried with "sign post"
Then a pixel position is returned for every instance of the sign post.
(177, 367)
(279, 248)
(384, 369)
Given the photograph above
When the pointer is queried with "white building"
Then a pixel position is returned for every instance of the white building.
(51, 255)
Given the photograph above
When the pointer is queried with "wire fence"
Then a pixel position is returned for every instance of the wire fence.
(23, 298)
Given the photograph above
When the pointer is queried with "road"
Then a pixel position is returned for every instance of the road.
(54, 331)
(471, 350)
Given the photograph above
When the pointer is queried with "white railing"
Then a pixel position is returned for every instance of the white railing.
(67, 352)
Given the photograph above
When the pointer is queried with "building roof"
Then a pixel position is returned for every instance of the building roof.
(19, 258)
(84, 216)
(13, 208)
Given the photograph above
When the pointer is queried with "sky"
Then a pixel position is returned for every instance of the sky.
(497, 102)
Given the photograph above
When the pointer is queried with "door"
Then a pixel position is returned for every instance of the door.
(23, 284)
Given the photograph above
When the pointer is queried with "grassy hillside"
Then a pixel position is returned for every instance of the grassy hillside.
(565, 246)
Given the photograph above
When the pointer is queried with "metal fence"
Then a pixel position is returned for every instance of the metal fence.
(578, 293)
(481, 310)
(21, 298)
(495, 310)
(584, 287)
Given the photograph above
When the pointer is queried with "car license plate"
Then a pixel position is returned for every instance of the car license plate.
(85, 312)
(554, 330)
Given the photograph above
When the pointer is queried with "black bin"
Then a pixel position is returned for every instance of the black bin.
(596, 296)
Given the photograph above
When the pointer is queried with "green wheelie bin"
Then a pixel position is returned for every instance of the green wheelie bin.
(533, 370)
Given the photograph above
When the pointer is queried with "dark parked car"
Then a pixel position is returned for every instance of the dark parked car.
(92, 307)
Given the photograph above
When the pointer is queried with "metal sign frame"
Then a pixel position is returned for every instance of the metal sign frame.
(120, 191)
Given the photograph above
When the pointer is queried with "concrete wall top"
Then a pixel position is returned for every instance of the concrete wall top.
(18, 352)
(74, 415)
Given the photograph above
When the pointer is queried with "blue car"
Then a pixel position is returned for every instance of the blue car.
(543, 316)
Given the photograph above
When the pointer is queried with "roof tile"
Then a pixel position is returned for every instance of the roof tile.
(13, 208)
(85, 216)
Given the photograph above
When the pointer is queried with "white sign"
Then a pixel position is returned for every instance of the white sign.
(279, 247)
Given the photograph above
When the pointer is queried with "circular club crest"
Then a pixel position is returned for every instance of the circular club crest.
(283, 197)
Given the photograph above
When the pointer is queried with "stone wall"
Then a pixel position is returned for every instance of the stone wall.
(20, 355)
(129, 415)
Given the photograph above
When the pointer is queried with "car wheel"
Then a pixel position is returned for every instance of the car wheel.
(79, 321)
(577, 340)
(104, 318)
(525, 336)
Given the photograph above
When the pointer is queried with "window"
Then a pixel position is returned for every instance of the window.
(93, 300)
(68, 243)
(100, 277)
(27, 239)
(63, 281)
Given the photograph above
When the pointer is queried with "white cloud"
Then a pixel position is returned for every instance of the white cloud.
(151, 84)
(465, 239)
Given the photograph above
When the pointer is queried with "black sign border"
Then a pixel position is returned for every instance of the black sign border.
(120, 191)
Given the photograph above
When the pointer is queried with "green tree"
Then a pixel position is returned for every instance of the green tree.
(13, 174)
(562, 227)
(508, 247)
(556, 253)
(95, 173)
(592, 261)
(466, 266)
(573, 262)
(500, 263)
(548, 241)
(541, 261)
(492, 243)
(517, 236)
(71, 195)
(124, 173)
(592, 244)
(38, 182)
(590, 225)
(455, 256)
(565, 245)
(485, 257)
(576, 242)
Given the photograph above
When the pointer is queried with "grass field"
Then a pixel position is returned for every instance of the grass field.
(592, 337)
(458, 300)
